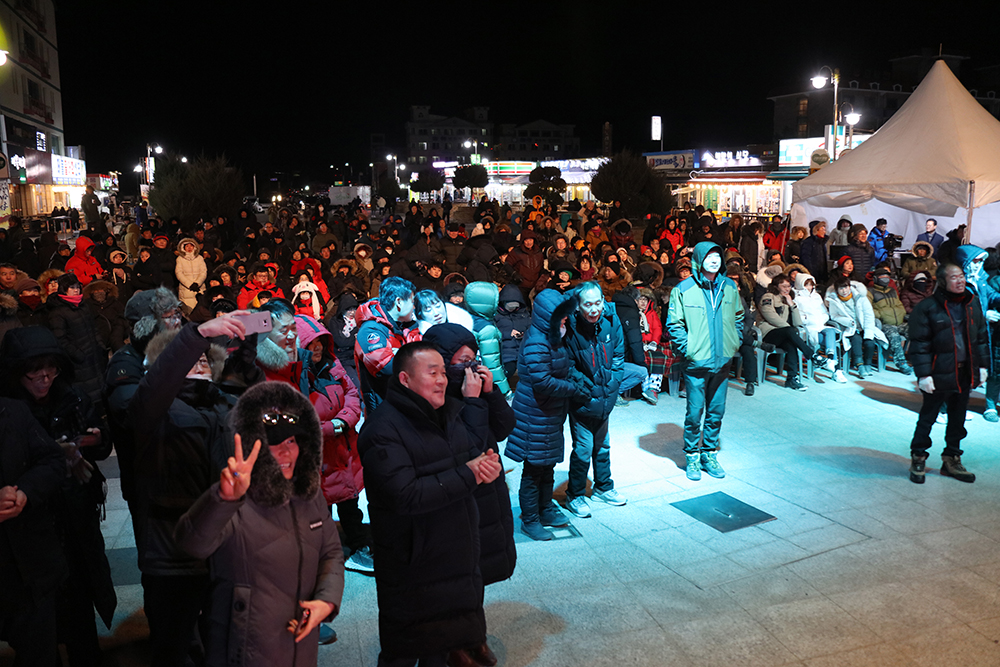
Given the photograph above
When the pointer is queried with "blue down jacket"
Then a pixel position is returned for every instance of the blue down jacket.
(542, 397)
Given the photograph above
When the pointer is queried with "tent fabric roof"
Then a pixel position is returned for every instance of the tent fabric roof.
(923, 159)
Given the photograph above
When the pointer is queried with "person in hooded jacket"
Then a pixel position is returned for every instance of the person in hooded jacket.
(340, 322)
(307, 300)
(921, 259)
(31, 311)
(777, 234)
(73, 325)
(179, 416)
(972, 260)
(596, 345)
(705, 323)
(82, 263)
(164, 260)
(32, 566)
(482, 300)
(423, 457)
(191, 273)
(338, 407)
(276, 563)
(860, 252)
(109, 315)
(527, 261)
(889, 311)
(949, 351)
(39, 373)
(27, 259)
(260, 281)
(548, 382)
(513, 319)
(497, 553)
(851, 312)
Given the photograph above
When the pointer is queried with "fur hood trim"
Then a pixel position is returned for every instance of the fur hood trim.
(8, 305)
(101, 285)
(162, 301)
(216, 353)
(268, 487)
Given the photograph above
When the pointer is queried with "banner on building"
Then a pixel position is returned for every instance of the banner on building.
(5, 202)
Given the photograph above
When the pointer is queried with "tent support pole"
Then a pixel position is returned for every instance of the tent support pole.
(968, 217)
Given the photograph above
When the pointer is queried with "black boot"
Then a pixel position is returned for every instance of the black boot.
(548, 513)
(528, 496)
(918, 469)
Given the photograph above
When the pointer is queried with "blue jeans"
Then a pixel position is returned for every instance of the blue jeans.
(590, 442)
(706, 395)
(634, 376)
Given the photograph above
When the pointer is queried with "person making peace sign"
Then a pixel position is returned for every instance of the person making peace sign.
(264, 516)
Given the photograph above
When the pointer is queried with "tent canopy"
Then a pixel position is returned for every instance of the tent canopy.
(924, 159)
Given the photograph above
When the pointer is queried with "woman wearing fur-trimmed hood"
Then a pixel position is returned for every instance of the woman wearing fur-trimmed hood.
(269, 536)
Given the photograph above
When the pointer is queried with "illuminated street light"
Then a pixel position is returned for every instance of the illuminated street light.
(853, 118)
(158, 149)
(184, 160)
(819, 81)
(3, 57)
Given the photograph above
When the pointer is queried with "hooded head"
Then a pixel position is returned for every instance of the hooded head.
(550, 307)
(482, 298)
(449, 338)
(971, 258)
(701, 252)
(272, 412)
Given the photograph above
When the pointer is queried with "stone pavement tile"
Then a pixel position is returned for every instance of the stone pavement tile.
(990, 571)
(627, 563)
(724, 543)
(813, 627)
(627, 522)
(860, 522)
(672, 548)
(357, 644)
(961, 545)
(769, 555)
(965, 508)
(672, 599)
(902, 556)
(645, 490)
(125, 539)
(812, 498)
(650, 647)
(894, 611)
(604, 610)
(791, 519)
(113, 523)
(954, 646)
(909, 517)
(989, 628)
(863, 492)
(990, 527)
(961, 593)
(838, 571)
(523, 633)
(879, 655)
(770, 587)
(114, 500)
(711, 572)
(826, 538)
(729, 639)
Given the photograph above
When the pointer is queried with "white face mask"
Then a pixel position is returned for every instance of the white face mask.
(712, 263)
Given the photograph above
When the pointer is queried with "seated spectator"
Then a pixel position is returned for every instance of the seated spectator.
(922, 260)
(889, 311)
(851, 311)
(431, 310)
(779, 320)
(817, 328)
(916, 288)
(860, 252)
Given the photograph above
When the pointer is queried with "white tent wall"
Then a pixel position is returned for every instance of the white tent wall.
(908, 224)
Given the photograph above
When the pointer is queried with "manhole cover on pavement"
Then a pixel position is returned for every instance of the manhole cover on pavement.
(722, 512)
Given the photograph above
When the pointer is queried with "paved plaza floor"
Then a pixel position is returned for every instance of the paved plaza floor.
(861, 567)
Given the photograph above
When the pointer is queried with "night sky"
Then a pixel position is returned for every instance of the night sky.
(292, 87)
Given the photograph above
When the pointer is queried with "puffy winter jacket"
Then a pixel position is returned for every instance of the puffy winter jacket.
(914, 264)
(628, 315)
(542, 398)
(482, 299)
(377, 341)
(598, 351)
(931, 348)
(509, 321)
(775, 312)
(887, 306)
(191, 273)
(82, 264)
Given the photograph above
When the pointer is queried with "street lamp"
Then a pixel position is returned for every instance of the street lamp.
(138, 179)
(818, 82)
(3, 57)
(395, 167)
(474, 144)
(852, 118)
(184, 160)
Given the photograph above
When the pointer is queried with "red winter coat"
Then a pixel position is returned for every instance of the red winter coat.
(655, 326)
(250, 291)
(85, 267)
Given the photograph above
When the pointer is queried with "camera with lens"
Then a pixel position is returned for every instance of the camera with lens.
(892, 242)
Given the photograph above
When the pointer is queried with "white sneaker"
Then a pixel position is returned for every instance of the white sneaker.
(831, 364)
(942, 418)
(839, 377)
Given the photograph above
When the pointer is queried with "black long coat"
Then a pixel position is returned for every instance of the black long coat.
(74, 328)
(931, 348)
(425, 521)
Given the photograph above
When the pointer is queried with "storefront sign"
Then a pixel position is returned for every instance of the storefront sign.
(796, 152)
(4, 167)
(4, 202)
(670, 162)
(102, 182)
(585, 164)
(714, 159)
(508, 169)
(68, 171)
(657, 128)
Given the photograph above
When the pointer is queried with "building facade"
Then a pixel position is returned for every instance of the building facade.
(43, 171)
(537, 141)
(433, 138)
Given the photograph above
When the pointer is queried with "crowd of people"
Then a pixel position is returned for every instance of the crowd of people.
(451, 342)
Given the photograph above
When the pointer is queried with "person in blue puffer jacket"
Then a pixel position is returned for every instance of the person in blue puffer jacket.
(971, 258)
(541, 402)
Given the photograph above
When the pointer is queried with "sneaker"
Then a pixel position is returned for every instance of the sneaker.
(748, 390)
(905, 369)
(865, 371)
(610, 497)
(620, 402)
(649, 396)
(951, 466)
(693, 467)
(942, 418)
(579, 507)
(710, 464)
(327, 635)
(361, 561)
(839, 377)
(918, 469)
(552, 517)
(830, 364)
(535, 531)
(793, 383)
(968, 416)
(991, 416)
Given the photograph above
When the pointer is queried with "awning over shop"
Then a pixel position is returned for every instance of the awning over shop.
(788, 175)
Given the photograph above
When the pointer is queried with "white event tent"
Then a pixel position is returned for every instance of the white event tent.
(938, 156)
